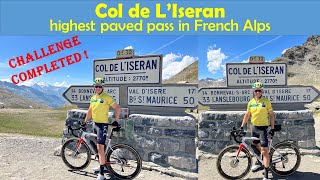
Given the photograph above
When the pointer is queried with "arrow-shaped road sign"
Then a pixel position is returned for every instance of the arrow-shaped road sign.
(289, 94)
(82, 94)
(163, 96)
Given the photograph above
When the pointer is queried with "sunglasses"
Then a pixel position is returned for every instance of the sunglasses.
(97, 86)
(257, 90)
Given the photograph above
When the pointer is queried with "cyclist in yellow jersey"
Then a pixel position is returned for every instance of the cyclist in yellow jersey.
(98, 110)
(259, 108)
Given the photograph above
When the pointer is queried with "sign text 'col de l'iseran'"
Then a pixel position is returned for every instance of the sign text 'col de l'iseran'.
(245, 74)
(135, 70)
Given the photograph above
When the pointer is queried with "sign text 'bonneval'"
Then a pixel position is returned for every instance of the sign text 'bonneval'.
(208, 96)
(82, 94)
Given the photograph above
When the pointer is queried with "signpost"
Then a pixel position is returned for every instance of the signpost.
(82, 94)
(245, 74)
(137, 70)
(276, 95)
(291, 94)
(241, 76)
(170, 96)
(125, 53)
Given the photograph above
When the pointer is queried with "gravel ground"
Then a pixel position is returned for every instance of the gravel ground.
(309, 169)
(25, 157)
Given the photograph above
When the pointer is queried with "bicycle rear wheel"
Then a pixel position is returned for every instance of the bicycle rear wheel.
(285, 158)
(75, 156)
(123, 161)
(231, 168)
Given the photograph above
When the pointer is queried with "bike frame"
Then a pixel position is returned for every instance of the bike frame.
(85, 138)
(243, 144)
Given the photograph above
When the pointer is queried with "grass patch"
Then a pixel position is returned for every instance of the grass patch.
(66, 108)
(203, 108)
(36, 122)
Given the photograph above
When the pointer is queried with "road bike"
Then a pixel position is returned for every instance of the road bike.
(234, 162)
(122, 160)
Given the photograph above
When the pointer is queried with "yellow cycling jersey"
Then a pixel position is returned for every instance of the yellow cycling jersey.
(100, 105)
(259, 111)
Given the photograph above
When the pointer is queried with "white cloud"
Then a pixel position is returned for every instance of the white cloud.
(27, 83)
(172, 65)
(68, 76)
(61, 84)
(129, 47)
(6, 80)
(284, 51)
(215, 58)
(169, 58)
(245, 61)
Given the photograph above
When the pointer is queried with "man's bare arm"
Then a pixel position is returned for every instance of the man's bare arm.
(245, 118)
(117, 110)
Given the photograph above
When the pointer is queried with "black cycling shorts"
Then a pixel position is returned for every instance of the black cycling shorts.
(261, 133)
(101, 130)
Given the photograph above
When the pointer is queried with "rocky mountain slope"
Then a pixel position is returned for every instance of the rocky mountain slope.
(188, 74)
(303, 62)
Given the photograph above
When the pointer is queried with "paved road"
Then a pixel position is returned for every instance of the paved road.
(24, 157)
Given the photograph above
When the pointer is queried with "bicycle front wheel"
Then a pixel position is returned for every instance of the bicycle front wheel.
(285, 158)
(75, 155)
(123, 161)
(231, 167)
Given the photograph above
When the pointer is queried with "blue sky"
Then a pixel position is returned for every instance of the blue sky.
(178, 53)
(216, 51)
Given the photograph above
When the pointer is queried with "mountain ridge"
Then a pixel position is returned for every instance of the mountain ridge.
(188, 75)
(35, 95)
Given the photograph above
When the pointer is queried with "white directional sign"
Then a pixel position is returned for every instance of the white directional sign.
(242, 74)
(290, 94)
(208, 96)
(82, 94)
(138, 70)
(182, 96)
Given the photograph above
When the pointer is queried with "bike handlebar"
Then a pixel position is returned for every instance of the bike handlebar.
(237, 133)
(84, 128)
